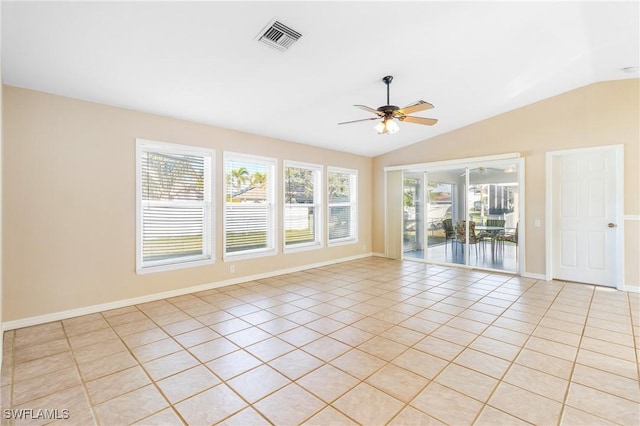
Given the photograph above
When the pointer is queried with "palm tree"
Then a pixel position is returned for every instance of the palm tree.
(257, 180)
(236, 179)
(241, 181)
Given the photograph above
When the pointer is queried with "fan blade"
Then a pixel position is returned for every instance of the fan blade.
(418, 120)
(356, 121)
(418, 106)
(369, 109)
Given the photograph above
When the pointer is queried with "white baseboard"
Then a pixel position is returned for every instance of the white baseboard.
(378, 255)
(57, 316)
(629, 288)
(534, 276)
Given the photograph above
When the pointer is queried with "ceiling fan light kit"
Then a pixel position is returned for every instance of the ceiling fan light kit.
(388, 114)
(387, 126)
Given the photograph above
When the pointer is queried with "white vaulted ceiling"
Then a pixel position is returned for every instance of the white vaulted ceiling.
(200, 61)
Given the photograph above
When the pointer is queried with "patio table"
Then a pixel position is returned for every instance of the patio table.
(493, 231)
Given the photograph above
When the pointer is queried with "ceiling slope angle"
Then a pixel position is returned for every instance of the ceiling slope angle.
(204, 62)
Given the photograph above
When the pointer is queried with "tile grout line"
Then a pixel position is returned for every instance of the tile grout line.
(144, 370)
(391, 285)
(407, 404)
(575, 361)
(222, 381)
(82, 381)
(451, 362)
(636, 339)
(522, 347)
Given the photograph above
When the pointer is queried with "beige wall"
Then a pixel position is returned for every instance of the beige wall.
(69, 197)
(69, 203)
(600, 114)
(2, 349)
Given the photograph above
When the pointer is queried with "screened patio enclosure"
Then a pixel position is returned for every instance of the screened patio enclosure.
(465, 213)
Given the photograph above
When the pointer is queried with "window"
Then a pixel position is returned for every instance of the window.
(343, 215)
(302, 186)
(174, 217)
(249, 214)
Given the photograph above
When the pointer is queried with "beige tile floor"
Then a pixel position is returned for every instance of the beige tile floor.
(368, 342)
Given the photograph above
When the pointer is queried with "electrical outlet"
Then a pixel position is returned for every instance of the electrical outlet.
(536, 223)
(232, 268)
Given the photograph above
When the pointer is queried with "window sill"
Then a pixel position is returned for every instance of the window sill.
(232, 257)
(342, 242)
(302, 247)
(174, 266)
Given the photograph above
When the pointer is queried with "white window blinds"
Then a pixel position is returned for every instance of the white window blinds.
(342, 195)
(302, 183)
(174, 209)
(249, 221)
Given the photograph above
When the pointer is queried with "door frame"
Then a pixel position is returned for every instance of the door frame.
(619, 215)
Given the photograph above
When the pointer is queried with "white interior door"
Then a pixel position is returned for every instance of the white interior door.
(586, 204)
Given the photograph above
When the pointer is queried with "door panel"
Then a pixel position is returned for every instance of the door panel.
(569, 249)
(597, 255)
(586, 194)
(569, 200)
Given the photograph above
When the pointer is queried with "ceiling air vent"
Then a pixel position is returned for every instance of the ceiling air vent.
(278, 36)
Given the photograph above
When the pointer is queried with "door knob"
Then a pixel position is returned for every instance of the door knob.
(611, 225)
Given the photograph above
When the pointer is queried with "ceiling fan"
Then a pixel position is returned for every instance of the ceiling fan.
(387, 114)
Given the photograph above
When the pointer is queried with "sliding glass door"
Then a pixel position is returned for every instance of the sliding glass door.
(442, 214)
(465, 215)
(492, 213)
(413, 215)
(427, 216)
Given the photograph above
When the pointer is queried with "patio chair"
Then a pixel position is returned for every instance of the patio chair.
(449, 233)
(462, 235)
(511, 237)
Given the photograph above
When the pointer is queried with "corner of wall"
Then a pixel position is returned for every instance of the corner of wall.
(1, 159)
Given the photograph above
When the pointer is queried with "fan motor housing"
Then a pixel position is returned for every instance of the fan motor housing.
(388, 108)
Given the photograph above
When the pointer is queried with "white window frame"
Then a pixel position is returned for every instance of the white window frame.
(317, 206)
(144, 145)
(353, 203)
(272, 173)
